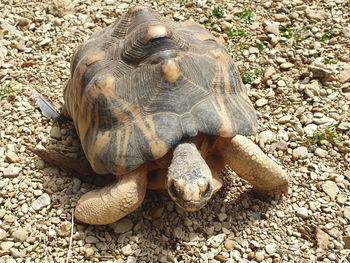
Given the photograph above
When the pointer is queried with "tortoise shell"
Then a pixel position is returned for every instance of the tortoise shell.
(140, 85)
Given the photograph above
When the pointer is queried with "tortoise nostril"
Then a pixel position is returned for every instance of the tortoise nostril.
(173, 189)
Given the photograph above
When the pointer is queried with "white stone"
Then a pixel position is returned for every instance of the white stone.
(12, 157)
(330, 188)
(215, 241)
(310, 129)
(346, 32)
(266, 137)
(3, 234)
(226, 26)
(6, 245)
(41, 202)
(301, 152)
(259, 256)
(123, 6)
(286, 65)
(320, 152)
(12, 171)
(127, 250)
(52, 233)
(273, 28)
(302, 212)
(45, 41)
(20, 235)
(270, 249)
(269, 72)
(261, 102)
(110, 2)
(324, 120)
(347, 212)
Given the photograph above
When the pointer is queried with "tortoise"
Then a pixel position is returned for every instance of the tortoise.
(161, 105)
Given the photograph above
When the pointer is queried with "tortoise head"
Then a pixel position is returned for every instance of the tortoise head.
(189, 180)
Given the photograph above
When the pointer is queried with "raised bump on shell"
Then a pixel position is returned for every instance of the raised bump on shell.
(170, 71)
(156, 31)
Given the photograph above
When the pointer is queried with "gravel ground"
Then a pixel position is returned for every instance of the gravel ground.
(298, 75)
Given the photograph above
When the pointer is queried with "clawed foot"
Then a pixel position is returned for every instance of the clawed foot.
(269, 195)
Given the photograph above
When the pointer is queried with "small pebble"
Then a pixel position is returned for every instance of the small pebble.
(45, 41)
(157, 212)
(280, 214)
(122, 226)
(261, 102)
(229, 244)
(88, 252)
(12, 171)
(55, 132)
(347, 212)
(20, 235)
(64, 229)
(3, 234)
(127, 250)
(321, 153)
(6, 245)
(16, 253)
(302, 212)
(330, 188)
(259, 256)
(222, 217)
(273, 28)
(286, 65)
(301, 152)
(215, 241)
(12, 157)
(91, 240)
(270, 249)
(41, 202)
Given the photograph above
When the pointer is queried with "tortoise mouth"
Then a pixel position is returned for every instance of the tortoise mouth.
(190, 205)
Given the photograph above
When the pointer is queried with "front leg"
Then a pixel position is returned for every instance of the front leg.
(113, 202)
(245, 158)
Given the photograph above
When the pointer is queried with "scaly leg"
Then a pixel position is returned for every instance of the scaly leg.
(113, 202)
(250, 163)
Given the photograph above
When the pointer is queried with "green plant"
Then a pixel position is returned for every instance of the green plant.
(329, 61)
(6, 89)
(328, 133)
(182, 2)
(246, 16)
(214, 15)
(329, 33)
(248, 77)
(239, 47)
(291, 33)
(260, 45)
(236, 33)
(218, 12)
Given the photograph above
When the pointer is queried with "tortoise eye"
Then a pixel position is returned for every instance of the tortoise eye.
(173, 189)
(207, 191)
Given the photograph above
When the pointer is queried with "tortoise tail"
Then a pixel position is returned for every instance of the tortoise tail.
(77, 167)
